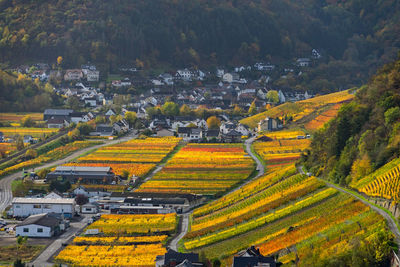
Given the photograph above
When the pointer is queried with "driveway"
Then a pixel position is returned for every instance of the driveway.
(75, 227)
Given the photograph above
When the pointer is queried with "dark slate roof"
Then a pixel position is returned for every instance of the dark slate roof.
(78, 114)
(55, 121)
(41, 219)
(233, 133)
(155, 201)
(213, 133)
(189, 197)
(184, 130)
(252, 257)
(58, 112)
(172, 255)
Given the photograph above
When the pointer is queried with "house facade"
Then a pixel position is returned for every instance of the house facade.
(39, 225)
(24, 207)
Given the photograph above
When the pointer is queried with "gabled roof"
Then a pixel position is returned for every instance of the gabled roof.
(212, 133)
(179, 257)
(55, 121)
(234, 133)
(195, 131)
(41, 219)
(184, 130)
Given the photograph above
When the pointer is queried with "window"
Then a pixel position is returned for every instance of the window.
(26, 230)
(47, 206)
(17, 206)
(37, 206)
(40, 230)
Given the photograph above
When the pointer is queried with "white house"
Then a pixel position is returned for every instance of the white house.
(92, 75)
(73, 75)
(227, 127)
(39, 225)
(24, 207)
(303, 62)
(184, 74)
(220, 72)
(242, 129)
(91, 192)
(110, 112)
(53, 195)
(90, 208)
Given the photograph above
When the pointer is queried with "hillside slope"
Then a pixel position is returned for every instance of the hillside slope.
(366, 133)
(354, 36)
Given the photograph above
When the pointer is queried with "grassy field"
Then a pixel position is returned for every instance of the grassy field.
(8, 254)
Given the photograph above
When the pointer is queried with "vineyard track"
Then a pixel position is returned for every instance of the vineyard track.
(391, 223)
(185, 217)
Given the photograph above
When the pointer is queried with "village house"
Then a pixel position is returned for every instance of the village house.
(175, 259)
(91, 192)
(90, 208)
(92, 75)
(57, 123)
(40, 225)
(232, 136)
(230, 77)
(253, 257)
(165, 132)
(57, 114)
(269, 124)
(212, 134)
(120, 127)
(184, 75)
(303, 62)
(73, 75)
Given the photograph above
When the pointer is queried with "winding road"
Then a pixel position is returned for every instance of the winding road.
(185, 217)
(391, 223)
(5, 182)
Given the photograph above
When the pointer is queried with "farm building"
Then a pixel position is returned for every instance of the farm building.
(87, 175)
(24, 207)
(57, 114)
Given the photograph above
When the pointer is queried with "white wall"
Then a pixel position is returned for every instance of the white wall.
(25, 210)
(33, 231)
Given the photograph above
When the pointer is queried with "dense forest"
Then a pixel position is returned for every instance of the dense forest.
(354, 37)
(19, 93)
(366, 133)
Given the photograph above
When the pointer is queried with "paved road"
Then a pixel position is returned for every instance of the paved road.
(260, 166)
(185, 227)
(5, 182)
(43, 258)
(185, 220)
(392, 225)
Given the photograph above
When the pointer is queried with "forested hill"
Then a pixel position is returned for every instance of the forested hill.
(199, 32)
(366, 133)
